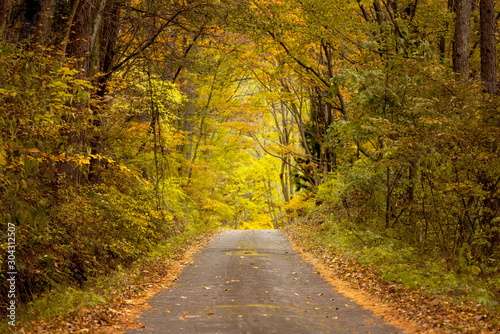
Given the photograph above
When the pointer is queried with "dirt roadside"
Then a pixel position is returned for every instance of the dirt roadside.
(123, 313)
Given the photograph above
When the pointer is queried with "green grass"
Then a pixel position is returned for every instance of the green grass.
(398, 262)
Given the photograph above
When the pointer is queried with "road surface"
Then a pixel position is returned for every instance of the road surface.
(254, 282)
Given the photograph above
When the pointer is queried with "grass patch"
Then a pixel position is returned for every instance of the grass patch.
(398, 262)
(425, 286)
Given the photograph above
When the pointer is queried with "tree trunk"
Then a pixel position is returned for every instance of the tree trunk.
(80, 35)
(270, 204)
(45, 21)
(110, 10)
(237, 221)
(378, 12)
(5, 8)
(108, 39)
(463, 9)
(488, 45)
(71, 18)
(237, 218)
(283, 180)
(97, 25)
(442, 37)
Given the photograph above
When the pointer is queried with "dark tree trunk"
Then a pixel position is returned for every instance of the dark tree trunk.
(45, 21)
(463, 9)
(442, 38)
(108, 41)
(378, 11)
(488, 45)
(80, 34)
(5, 7)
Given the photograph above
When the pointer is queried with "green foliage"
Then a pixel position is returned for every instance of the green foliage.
(432, 176)
(396, 261)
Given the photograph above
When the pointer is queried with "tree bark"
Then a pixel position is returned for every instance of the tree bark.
(463, 10)
(488, 45)
(45, 21)
(108, 40)
(378, 12)
(5, 8)
(80, 35)
(72, 13)
(110, 10)
(270, 204)
(97, 25)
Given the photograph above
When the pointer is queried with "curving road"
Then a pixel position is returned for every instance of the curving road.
(253, 282)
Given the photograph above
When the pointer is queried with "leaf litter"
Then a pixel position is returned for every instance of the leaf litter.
(123, 311)
(412, 310)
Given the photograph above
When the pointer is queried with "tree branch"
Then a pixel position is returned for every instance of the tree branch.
(298, 61)
(141, 48)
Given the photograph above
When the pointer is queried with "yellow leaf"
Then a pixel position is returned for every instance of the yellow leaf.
(3, 157)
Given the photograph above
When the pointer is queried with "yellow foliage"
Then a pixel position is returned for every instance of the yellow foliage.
(300, 204)
(261, 221)
(3, 157)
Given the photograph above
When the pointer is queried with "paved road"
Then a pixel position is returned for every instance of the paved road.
(253, 282)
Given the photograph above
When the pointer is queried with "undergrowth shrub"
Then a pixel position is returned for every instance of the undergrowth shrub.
(426, 184)
(69, 227)
(396, 261)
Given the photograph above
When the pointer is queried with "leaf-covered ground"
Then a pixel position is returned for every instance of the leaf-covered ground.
(122, 308)
(414, 310)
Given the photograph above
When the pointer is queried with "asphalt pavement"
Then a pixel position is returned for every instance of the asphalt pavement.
(254, 282)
